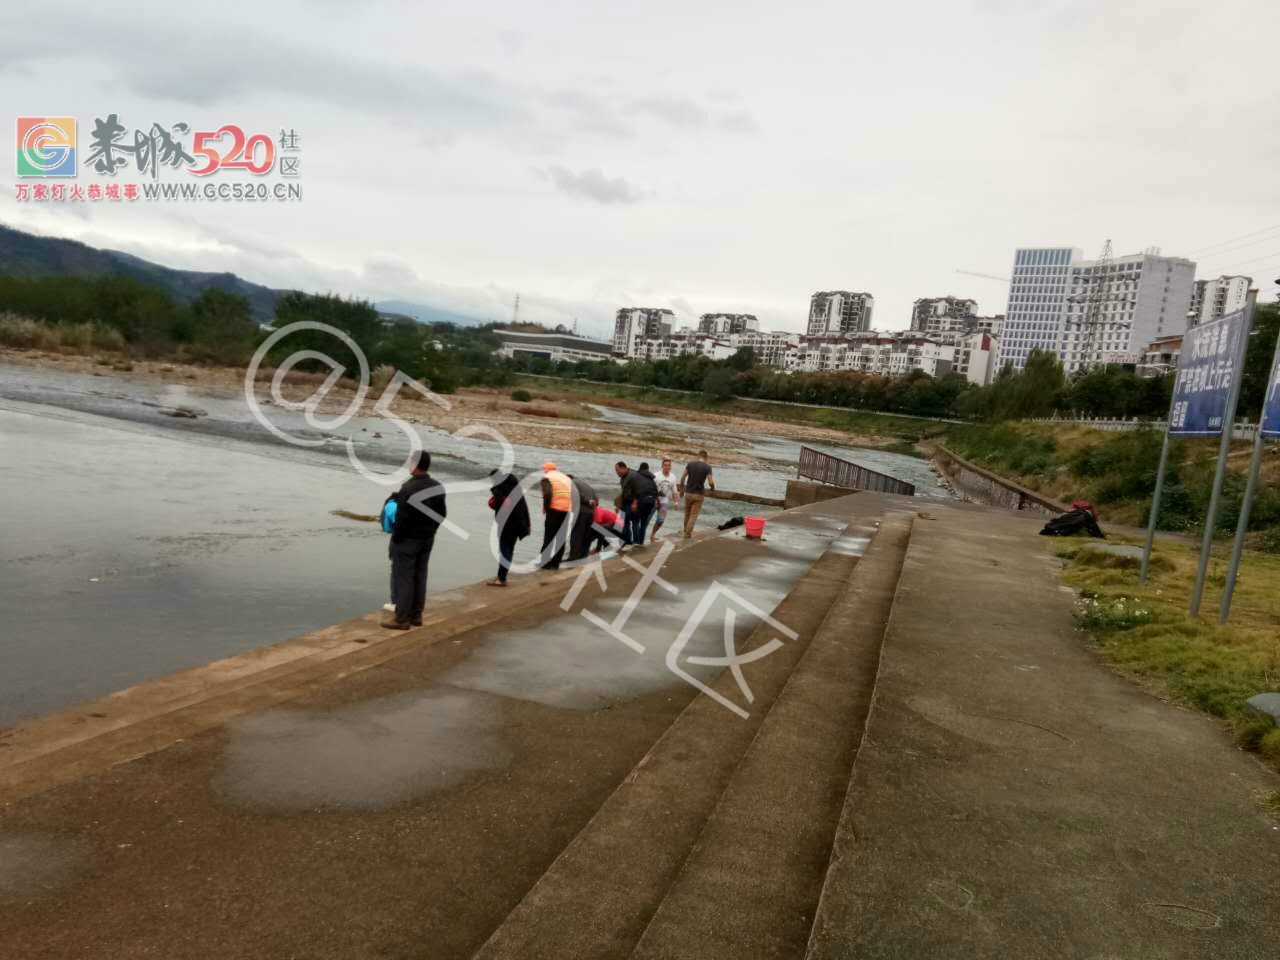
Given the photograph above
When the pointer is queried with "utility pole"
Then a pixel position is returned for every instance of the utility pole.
(1099, 287)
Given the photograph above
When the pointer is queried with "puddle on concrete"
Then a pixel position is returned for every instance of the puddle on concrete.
(366, 756)
(577, 664)
(38, 864)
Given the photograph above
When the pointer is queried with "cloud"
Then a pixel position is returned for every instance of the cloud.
(677, 111)
(592, 184)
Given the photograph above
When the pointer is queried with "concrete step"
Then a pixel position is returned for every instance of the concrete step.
(751, 883)
(596, 898)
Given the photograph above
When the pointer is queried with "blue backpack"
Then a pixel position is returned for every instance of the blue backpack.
(389, 515)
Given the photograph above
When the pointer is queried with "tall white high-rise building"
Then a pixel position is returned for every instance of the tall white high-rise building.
(633, 323)
(837, 312)
(1211, 299)
(1092, 312)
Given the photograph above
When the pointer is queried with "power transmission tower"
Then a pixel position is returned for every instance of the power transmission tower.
(515, 311)
(1098, 295)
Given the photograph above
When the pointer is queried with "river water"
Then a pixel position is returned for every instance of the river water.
(135, 544)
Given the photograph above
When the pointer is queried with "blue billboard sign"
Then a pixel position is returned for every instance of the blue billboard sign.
(1271, 410)
(1207, 371)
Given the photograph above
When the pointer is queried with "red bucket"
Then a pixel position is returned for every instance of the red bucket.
(754, 527)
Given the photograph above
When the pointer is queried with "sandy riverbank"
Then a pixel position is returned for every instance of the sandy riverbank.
(556, 419)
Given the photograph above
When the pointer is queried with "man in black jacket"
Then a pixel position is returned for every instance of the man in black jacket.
(421, 508)
(639, 496)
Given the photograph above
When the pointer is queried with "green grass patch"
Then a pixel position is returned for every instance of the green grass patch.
(1145, 631)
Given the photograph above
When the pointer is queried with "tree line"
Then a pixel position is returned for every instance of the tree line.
(1041, 389)
(218, 327)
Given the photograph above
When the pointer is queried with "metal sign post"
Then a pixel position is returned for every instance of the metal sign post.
(1220, 368)
(1155, 504)
(1268, 426)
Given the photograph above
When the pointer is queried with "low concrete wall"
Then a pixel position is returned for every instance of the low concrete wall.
(982, 486)
(802, 492)
(745, 498)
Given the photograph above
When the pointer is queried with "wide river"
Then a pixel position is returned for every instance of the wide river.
(134, 544)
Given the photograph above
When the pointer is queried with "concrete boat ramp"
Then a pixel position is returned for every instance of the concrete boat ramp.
(911, 754)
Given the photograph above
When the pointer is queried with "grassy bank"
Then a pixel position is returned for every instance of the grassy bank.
(654, 401)
(1144, 630)
(1117, 473)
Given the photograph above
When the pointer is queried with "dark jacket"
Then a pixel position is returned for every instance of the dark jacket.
(638, 485)
(517, 523)
(412, 521)
(586, 493)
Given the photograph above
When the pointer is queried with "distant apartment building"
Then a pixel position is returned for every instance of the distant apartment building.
(992, 325)
(1139, 297)
(724, 324)
(672, 345)
(839, 312)
(1161, 356)
(556, 347)
(928, 312)
(1211, 299)
(879, 354)
(952, 327)
(975, 357)
(632, 323)
(768, 347)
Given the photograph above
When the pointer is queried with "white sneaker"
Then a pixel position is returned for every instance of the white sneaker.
(389, 607)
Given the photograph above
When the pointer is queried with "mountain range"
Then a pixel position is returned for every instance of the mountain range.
(29, 254)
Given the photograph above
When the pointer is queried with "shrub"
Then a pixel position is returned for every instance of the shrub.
(521, 396)
(107, 338)
(24, 334)
(75, 337)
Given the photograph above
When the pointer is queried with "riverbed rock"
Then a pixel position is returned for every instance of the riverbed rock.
(1266, 704)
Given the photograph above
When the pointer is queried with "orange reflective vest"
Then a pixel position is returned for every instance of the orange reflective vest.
(561, 491)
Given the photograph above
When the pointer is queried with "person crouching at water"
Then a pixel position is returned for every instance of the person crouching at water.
(420, 509)
(557, 503)
(607, 521)
(580, 533)
(668, 496)
(511, 514)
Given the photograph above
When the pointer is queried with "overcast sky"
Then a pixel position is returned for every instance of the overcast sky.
(699, 156)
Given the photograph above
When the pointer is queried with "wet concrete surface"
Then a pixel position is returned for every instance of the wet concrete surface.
(346, 824)
(369, 755)
(37, 864)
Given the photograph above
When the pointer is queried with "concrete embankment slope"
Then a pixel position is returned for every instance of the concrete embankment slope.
(934, 765)
(1014, 798)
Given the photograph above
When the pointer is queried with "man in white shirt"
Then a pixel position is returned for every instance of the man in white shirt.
(668, 496)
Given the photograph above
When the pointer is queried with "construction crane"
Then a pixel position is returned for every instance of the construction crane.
(985, 276)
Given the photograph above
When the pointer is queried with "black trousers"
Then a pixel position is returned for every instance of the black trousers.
(580, 538)
(506, 550)
(554, 522)
(409, 570)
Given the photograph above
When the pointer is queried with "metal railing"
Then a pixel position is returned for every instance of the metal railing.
(816, 465)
